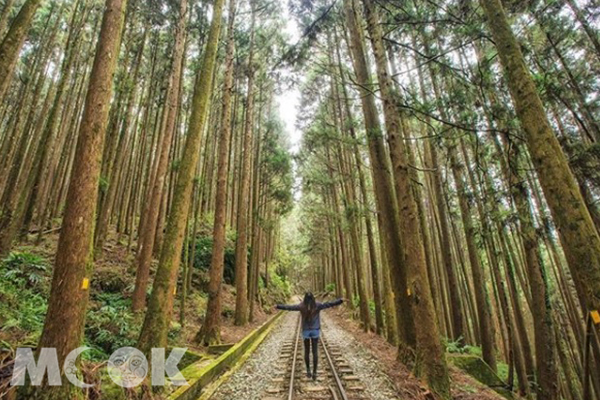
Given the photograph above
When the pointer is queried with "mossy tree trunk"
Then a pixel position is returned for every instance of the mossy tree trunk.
(146, 241)
(350, 203)
(384, 191)
(483, 306)
(63, 328)
(578, 234)
(430, 357)
(210, 332)
(13, 42)
(158, 316)
(241, 244)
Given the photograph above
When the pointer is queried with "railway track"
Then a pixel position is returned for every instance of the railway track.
(335, 378)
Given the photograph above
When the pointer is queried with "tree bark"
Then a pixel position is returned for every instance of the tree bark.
(13, 42)
(146, 241)
(384, 191)
(63, 328)
(430, 351)
(349, 125)
(210, 333)
(156, 324)
(577, 231)
(241, 244)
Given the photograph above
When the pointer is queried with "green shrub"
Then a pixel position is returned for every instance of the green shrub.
(113, 280)
(24, 270)
(330, 288)
(24, 283)
(203, 254)
(279, 288)
(456, 346)
(110, 323)
(22, 310)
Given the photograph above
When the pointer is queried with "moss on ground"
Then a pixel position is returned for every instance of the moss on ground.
(477, 368)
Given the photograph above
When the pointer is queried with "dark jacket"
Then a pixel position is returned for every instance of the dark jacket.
(315, 323)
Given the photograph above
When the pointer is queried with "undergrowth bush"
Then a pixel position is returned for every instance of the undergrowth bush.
(279, 288)
(330, 288)
(25, 270)
(24, 287)
(456, 346)
(203, 254)
(110, 324)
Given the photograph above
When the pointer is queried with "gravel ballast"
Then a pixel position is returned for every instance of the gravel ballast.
(376, 383)
(254, 377)
(252, 380)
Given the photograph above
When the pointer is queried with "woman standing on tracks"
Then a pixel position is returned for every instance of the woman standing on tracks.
(311, 327)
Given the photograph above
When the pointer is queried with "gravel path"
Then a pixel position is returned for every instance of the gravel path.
(252, 380)
(366, 367)
(254, 377)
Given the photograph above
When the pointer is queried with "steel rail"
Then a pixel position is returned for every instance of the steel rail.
(338, 381)
(294, 359)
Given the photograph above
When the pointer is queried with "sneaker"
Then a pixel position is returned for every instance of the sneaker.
(308, 374)
(314, 376)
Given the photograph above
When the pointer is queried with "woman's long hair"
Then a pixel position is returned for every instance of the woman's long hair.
(308, 308)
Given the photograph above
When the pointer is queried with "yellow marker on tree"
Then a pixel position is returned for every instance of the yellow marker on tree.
(85, 284)
(595, 317)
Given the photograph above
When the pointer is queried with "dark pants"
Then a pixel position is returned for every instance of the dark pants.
(314, 342)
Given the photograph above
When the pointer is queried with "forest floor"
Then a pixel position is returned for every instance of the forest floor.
(25, 278)
(464, 387)
(111, 324)
(114, 273)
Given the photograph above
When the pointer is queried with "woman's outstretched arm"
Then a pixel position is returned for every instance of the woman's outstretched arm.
(322, 306)
(288, 307)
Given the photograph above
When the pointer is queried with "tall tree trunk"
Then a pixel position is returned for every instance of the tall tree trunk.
(384, 191)
(210, 332)
(41, 159)
(13, 42)
(430, 351)
(349, 125)
(577, 231)
(154, 196)
(116, 168)
(458, 333)
(486, 327)
(241, 243)
(350, 207)
(63, 328)
(158, 316)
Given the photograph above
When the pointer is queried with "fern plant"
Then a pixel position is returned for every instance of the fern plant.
(24, 269)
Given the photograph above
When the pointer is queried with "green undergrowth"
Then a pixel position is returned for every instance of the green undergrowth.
(24, 288)
(276, 290)
(456, 347)
(25, 279)
(203, 254)
(110, 324)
